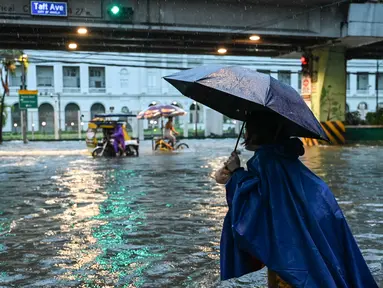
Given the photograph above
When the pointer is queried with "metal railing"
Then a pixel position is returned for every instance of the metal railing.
(71, 90)
(97, 90)
(44, 81)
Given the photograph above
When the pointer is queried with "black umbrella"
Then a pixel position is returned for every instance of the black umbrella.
(236, 91)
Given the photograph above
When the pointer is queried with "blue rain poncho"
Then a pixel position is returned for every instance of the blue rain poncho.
(284, 216)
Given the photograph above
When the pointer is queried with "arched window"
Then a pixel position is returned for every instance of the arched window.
(153, 103)
(178, 104)
(46, 118)
(124, 78)
(195, 115)
(97, 108)
(71, 117)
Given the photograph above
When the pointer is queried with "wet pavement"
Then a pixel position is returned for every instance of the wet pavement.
(67, 220)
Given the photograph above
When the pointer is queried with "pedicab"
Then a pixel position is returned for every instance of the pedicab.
(100, 140)
(163, 111)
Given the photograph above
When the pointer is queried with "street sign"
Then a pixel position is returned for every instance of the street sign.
(47, 8)
(28, 99)
(306, 86)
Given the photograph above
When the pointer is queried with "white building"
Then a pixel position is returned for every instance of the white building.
(89, 83)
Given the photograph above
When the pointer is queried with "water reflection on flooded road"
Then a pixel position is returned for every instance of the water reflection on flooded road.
(67, 220)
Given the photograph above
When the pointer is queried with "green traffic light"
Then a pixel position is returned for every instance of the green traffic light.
(115, 10)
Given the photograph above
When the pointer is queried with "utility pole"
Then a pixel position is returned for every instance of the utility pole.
(24, 111)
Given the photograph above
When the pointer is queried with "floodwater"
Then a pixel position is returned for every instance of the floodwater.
(67, 220)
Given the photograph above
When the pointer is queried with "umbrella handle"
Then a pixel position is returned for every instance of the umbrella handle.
(239, 136)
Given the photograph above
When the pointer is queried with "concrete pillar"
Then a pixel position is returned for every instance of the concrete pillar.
(328, 99)
(186, 126)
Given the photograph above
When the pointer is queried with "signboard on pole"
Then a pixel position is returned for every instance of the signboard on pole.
(28, 99)
(46, 8)
(306, 86)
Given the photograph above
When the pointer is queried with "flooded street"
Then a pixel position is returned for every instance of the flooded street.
(68, 220)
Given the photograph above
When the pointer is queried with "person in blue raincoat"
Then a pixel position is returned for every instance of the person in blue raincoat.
(283, 216)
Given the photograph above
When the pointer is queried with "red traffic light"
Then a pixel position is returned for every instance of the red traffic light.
(304, 60)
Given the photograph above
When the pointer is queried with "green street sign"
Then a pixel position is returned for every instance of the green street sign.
(28, 99)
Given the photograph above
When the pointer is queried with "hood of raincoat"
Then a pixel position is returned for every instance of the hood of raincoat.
(283, 216)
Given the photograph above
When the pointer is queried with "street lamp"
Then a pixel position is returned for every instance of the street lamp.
(44, 124)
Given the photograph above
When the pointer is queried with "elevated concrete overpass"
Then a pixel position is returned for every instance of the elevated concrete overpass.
(188, 26)
(331, 31)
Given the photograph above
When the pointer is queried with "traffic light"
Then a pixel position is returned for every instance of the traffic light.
(120, 12)
(115, 10)
(305, 62)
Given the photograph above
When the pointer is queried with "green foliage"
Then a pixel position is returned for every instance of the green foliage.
(8, 59)
(375, 118)
(333, 108)
(5, 114)
(353, 118)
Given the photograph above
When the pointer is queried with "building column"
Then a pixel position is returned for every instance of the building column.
(294, 80)
(328, 99)
(186, 125)
(84, 78)
(33, 118)
(138, 128)
(8, 124)
(371, 88)
(58, 78)
(353, 84)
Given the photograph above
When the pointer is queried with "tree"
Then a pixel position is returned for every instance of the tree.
(5, 115)
(8, 60)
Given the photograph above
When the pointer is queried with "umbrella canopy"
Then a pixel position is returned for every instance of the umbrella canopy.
(236, 91)
(157, 111)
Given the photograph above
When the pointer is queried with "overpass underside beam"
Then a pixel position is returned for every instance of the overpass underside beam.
(186, 27)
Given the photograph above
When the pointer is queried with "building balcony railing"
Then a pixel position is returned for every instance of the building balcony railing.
(97, 90)
(362, 92)
(154, 89)
(14, 89)
(44, 81)
(45, 90)
(71, 90)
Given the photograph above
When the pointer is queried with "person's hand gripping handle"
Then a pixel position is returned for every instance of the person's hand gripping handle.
(233, 163)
